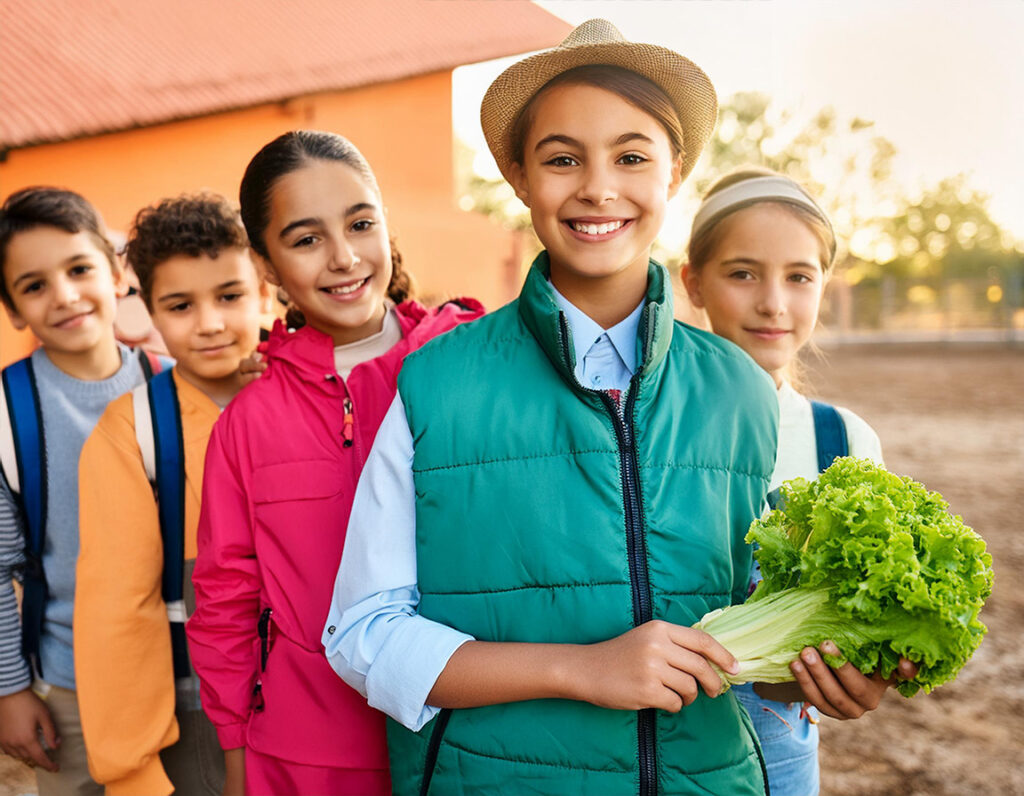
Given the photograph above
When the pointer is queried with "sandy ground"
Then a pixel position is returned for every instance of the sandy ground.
(952, 418)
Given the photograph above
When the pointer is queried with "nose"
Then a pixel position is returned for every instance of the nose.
(597, 185)
(343, 255)
(66, 291)
(771, 299)
(211, 320)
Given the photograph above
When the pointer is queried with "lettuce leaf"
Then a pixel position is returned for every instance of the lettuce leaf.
(871, 560)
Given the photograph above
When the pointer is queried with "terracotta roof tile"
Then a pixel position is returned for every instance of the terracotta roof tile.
(71, 68)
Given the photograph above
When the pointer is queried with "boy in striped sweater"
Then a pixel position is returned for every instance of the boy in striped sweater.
(60, 278)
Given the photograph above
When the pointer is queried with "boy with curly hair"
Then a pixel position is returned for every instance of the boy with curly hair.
(144, 730)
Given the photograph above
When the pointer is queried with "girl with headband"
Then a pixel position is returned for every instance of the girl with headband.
(760, 253)
(562, 487)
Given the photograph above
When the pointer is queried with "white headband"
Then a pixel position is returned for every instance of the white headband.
(758, 189)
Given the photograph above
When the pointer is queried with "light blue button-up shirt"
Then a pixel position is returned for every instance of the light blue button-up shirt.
(374, 638)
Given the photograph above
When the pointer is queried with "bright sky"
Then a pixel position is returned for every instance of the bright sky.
(942, 79)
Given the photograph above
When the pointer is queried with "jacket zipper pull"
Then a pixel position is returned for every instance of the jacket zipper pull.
(257, 697)
(263, 630)
(347, 429)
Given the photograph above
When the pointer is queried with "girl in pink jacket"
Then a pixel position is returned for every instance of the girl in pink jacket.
(281, 471)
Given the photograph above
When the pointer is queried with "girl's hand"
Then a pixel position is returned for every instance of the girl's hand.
(234, 772)
(842, 693)
(23, 716)
(655, 665)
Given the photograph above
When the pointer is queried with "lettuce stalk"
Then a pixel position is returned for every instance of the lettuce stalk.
(872, 561)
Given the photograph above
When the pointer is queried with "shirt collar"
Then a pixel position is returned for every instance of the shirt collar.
(586, 331)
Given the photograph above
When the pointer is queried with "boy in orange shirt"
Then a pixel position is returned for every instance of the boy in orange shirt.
(144, 730)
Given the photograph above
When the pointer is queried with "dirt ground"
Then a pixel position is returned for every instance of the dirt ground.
(953, 418)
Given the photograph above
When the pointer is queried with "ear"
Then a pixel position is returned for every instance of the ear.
(121, 282)
(267, 297)
(265, 269)
(517, 179)
(691, 281)
(676, 180)
(16, 320)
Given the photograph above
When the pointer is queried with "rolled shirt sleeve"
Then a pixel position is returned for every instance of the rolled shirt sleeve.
(374, 638)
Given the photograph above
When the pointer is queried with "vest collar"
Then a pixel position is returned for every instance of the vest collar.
(549, 327)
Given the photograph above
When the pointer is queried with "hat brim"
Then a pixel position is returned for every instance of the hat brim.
(685, 84)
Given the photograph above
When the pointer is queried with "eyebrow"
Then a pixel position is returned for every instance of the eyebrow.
(184, 294)
(37, 274)
(755, 261)
(312, 221)
(558, 138)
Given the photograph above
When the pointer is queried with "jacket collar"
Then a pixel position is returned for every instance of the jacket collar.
(546, 322)
(311, 352)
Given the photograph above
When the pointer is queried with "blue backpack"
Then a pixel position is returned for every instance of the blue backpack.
(22, 441)
(829, 437)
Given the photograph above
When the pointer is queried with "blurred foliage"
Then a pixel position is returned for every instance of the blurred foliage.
(492, 197)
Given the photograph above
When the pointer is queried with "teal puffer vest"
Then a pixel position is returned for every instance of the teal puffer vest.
(543, 516)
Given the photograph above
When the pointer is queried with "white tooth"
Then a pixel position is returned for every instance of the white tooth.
(591, 229)
(341, 291)
(604, 229)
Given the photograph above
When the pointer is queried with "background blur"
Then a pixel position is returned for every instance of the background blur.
(904, 117)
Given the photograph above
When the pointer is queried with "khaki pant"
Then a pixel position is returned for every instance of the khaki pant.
(195, 764)
(73, 779)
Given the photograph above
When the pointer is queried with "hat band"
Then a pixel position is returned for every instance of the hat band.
(748, 192)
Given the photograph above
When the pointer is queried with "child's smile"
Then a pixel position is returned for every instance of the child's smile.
(329, 249)
(63, 289)
(207, 311)
(762, 286)
(597, 174)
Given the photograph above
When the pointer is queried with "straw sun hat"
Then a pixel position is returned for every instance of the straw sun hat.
(598, 41)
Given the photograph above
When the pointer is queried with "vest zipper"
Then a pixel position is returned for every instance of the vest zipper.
(636, 550)
(433, 747)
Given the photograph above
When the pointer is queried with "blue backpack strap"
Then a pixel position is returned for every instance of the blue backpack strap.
(829, 434)
(169, 448)
(22, 397)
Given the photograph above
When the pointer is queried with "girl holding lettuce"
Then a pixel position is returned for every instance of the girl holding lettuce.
(760, 253)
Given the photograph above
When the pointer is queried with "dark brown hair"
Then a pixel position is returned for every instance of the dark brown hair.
(288, 153)
(635, 89)
(50, 207)
(702, 246)
(189, 225)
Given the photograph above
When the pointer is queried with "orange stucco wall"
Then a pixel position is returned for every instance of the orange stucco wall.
(403, 128)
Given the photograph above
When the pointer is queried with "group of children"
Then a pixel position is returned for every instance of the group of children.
(426, 550)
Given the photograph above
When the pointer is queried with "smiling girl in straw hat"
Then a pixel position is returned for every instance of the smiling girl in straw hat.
(561, 488)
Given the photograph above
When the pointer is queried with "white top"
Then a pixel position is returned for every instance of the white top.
(349, 355)
(798, 452)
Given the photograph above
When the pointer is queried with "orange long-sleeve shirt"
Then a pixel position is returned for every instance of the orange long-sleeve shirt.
(123, 666)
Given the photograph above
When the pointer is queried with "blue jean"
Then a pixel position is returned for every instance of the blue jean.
(789, 743)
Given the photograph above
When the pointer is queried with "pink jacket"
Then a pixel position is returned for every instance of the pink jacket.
(277, 493)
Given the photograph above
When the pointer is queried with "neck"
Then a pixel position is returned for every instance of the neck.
(220, 391)
(607, 300)
(100, 362)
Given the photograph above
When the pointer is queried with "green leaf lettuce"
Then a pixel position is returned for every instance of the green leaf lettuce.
(872, 561)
